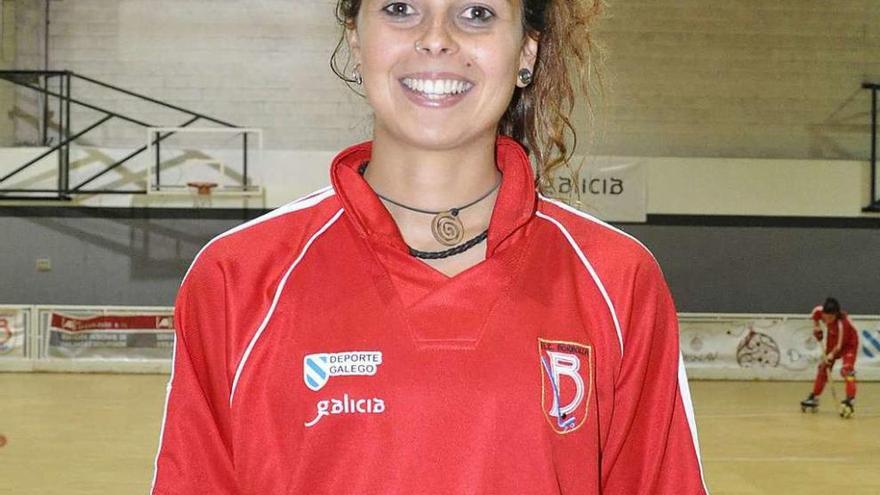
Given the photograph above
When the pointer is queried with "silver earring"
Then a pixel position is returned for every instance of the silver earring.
(356, 75)
(525, 76)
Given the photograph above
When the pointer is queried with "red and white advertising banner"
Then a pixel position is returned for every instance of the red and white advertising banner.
(14, 332)
(79, 335)
(767, 347)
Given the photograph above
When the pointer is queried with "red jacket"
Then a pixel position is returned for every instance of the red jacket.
(316, 356)
(841, 326)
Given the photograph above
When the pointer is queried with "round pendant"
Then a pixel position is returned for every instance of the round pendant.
(447, 229)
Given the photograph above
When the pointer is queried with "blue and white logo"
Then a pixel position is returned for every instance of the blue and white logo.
(871, 345)
(318, 368)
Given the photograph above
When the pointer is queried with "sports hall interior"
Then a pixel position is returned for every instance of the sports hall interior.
(134, 131)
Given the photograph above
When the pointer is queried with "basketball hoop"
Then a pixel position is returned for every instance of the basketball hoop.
(203, 191)
(202, 188)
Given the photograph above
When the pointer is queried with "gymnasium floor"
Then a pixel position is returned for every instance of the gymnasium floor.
(97, 434)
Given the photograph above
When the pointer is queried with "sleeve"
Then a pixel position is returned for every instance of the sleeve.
(816, 314)
(651, 446)
(195, 453)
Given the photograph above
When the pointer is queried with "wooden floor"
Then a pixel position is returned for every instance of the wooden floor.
(97, 434)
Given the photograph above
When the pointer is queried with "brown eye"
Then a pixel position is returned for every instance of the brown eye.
(397, 9)
(479, 14)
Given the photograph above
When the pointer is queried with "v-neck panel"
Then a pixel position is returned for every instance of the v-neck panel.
(442, 311)
(412, 316)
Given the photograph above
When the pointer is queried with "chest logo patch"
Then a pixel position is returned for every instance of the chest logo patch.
(318, 368)
(566, 383)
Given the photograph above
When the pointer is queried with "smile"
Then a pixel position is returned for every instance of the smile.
(437, 88)
(436, 92)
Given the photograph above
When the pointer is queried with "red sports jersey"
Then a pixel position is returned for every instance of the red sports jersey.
(842, 325)
(316, 356)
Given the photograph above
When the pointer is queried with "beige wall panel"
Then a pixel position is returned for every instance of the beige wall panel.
(739, 79)
(26, 116)
(684, 78)
(7, 59)
(722, 186)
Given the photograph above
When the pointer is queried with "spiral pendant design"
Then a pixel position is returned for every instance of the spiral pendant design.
(447, 228)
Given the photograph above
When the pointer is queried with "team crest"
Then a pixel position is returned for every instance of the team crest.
(318, 368)
(566, 383)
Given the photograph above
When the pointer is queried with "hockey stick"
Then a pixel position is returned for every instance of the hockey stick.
(830, 375)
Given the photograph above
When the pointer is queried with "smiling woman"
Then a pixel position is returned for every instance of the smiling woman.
(538, 113)
(430, 323)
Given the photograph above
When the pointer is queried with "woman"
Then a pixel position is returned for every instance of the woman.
(429, 324)
(842, 343)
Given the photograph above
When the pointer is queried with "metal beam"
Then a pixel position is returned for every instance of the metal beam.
(54, 149)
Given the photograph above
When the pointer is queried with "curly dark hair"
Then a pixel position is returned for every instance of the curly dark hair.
(539, 115)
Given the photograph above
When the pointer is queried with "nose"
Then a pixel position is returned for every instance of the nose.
(437, 39)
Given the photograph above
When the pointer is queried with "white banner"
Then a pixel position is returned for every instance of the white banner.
(767, 347)
(13, 332)
(612, 189)
(108, 335)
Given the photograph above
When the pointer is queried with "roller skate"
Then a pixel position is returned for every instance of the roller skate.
(846, 408)
(811, 404)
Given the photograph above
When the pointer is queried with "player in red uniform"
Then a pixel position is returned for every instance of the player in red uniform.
(842, 343)
(430, 324)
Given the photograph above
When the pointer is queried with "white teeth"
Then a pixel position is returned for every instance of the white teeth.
(437, 88)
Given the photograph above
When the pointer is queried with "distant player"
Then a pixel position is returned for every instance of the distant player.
(842, 342)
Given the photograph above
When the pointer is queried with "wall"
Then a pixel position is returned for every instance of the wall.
(725, 186)
(7, 59)
(684, 78)
(766, 268)
(710, 268)
(684, 186)
(26, 114)
(253, 63)
(99, 260)
(691, 80)
(748, 78)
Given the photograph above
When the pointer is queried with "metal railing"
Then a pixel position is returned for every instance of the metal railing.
(874, 205)
(38, 80)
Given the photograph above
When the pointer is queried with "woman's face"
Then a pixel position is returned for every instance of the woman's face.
(437, 73)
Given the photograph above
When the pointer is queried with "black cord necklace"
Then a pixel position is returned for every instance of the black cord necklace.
(445, 226)
(437, 255)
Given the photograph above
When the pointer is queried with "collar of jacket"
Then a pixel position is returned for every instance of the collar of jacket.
(514, 207)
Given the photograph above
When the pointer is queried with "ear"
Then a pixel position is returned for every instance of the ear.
(354, 44)
(528, 55)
